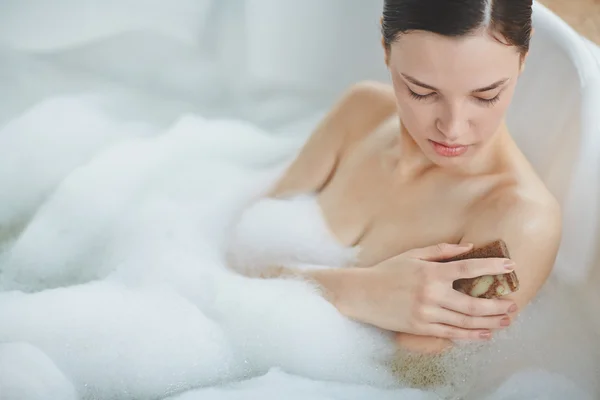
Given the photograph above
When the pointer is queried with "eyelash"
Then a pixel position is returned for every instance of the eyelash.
(485, 102)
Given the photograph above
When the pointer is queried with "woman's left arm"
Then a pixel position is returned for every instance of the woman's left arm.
(532, 232)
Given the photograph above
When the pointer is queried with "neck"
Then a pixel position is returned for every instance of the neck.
(413, 162)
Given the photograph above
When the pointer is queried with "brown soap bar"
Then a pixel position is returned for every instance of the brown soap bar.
(487, 286)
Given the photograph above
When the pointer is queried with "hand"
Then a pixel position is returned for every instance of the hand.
(412, 293)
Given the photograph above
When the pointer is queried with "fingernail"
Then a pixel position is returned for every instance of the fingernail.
(485, 335)
(512, 308)
(509, 265)
(505, 321)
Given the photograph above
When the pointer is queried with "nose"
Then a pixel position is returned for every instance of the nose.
(452, 122)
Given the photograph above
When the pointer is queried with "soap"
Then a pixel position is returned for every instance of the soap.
(487, 286)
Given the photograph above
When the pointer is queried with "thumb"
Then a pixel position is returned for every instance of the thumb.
(439, 252)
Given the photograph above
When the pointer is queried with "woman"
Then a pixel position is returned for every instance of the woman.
(425, 169)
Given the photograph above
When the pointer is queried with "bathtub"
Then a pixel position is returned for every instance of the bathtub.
(279, 66)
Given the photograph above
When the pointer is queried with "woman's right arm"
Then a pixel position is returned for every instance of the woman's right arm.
(413, 293)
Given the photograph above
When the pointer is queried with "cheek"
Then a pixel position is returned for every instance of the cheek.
(416, 117)
(412, 113)
(489, 119)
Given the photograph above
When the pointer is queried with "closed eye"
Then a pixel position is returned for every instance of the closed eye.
(485, 102)
(489, 102)
(418, 96)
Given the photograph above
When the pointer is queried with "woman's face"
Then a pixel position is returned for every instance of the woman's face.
(452, 93)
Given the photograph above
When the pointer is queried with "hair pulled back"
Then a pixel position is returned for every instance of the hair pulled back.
(509, 18)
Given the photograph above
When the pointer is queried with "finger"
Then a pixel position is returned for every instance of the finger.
(465, 304)
(473, 268)
(460, 320)
(439, 252)
(454, 333)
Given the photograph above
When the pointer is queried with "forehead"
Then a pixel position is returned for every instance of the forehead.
(474, 60)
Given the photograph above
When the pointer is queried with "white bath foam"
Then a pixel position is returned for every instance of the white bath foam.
(26, 373)
(268, 323)
(278, 322)
(67, 241)
(148, 341)
(43, 145)
(177, 234)
(288, 324)
(163, 227)
(117, 342)
(289, 232)
(158, 225)
(236, 141)
(283, 323)
(277, 384)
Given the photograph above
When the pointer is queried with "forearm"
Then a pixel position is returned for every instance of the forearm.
(340, 286)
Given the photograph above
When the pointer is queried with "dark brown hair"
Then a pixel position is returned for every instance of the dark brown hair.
(509, 18)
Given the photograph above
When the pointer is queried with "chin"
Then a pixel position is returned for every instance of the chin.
(445, 162)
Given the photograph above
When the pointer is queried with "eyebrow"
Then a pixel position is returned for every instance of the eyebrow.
(480, 90)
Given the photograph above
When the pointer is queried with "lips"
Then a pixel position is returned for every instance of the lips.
(446, 150)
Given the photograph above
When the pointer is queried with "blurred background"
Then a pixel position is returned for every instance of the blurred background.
(583, 15)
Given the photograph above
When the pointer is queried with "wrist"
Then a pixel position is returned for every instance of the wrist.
(342, 288)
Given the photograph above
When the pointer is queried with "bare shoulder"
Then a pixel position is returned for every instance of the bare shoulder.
(533, 212)
(358, 112)
(528, 218)
(364, 107)
(522, 206)
(519, 202)
(372, 90)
